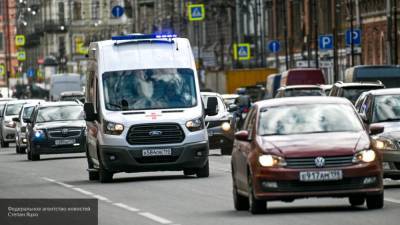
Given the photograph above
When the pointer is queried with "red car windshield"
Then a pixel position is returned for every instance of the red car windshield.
(308, 118)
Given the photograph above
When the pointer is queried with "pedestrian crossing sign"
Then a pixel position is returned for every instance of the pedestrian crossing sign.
(241, 51)
(196, 12)
(21, 55)
(20, 40)
(2, 70)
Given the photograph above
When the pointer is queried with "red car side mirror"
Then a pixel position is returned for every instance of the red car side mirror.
(376, 129)
(242, 135)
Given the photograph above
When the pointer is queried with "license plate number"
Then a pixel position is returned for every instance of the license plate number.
(65, 142)
(156, 152)
(310, 176)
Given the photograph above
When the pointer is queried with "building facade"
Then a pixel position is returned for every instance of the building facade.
(8, 50)
(59, 31)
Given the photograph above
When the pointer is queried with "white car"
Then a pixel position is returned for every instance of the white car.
(7, 124)
(20, 130)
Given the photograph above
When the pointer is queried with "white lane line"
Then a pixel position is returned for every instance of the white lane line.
(102, 198)
(49, 179)
(64, 184)
(392, 200)
(148, 215)
(83, 191)
(57, 182)
(127, 207)
(155, 218)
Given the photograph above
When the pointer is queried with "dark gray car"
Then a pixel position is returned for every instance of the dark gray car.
(55, 128)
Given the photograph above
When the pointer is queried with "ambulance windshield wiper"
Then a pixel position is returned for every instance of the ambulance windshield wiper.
(115, 105)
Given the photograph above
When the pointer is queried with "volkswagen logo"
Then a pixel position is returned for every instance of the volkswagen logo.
(64, 131)
(319, 162)
(155, 133)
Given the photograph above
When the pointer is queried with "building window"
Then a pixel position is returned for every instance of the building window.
(61, 46)
(95, 10)
(77, 10)
(61, 12)
(1, 42)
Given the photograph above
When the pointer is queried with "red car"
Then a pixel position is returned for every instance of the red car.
(304, 147)
(301, 76)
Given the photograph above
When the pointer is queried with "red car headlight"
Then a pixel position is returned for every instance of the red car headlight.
(367, 156)
(271, 160)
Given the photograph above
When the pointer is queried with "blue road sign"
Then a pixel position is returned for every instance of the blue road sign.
(274, 46)
(30, 72)
(353, 36)
(196, 12)
(117, 11)
(325, 42)
(243, 51)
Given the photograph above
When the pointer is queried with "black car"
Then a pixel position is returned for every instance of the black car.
(54, 128)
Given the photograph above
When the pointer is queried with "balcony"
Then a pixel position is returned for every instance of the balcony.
(55, 26)
(32, 40)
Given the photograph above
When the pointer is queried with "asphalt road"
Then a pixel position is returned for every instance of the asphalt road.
(171, 198)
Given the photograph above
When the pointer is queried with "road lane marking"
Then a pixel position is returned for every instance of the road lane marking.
(48, 179)
(83, 191)
(147, 215)
(64, 184)
(57, 182)
(102, 198)
(127, 207)
(392, 200)
(155, 218)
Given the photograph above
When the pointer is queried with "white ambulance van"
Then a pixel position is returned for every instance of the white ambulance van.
(144, 110)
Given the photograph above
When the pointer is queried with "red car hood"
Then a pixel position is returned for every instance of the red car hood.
(311, 145)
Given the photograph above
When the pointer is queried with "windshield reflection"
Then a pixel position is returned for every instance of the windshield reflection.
(59, 113)
(301, 119)
(387, 108)
(149, 89)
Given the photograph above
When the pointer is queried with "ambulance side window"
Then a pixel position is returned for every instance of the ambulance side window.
(91, 87)
(97, 102)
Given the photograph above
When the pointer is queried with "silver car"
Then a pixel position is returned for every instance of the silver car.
(382, 107)
(7, 124)
(20, 133)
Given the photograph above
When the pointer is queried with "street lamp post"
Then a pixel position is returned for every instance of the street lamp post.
(309, 52)
(7, 38)
(351, 30)
(335, 12)
(315, 21)
(285, 33)
(395, 41)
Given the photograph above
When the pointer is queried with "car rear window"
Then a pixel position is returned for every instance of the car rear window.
(352, 93)
(304, 92)
(13, 109)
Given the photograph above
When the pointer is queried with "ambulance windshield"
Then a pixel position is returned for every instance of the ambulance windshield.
(149, 89)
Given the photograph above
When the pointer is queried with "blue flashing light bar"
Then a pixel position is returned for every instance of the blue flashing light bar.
(142, 36)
